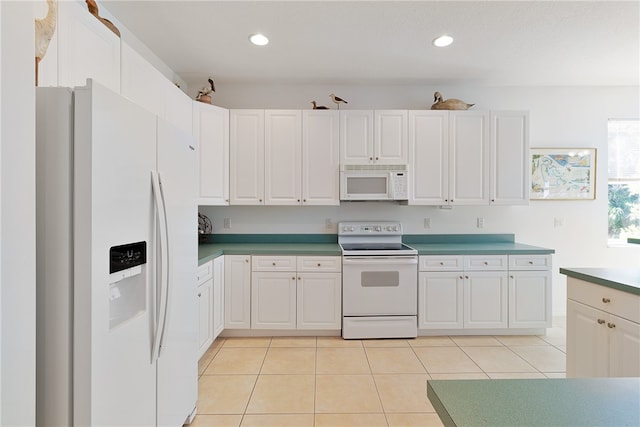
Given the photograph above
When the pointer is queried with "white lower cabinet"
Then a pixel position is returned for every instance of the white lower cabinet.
(600, 341)
(218, 296)
(289, 292)
(484, 292)
(237, 291)
(205, 306)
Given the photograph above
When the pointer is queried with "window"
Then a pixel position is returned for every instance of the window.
(624, 179)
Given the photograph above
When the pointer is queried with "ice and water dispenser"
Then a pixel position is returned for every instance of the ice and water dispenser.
(127, 284)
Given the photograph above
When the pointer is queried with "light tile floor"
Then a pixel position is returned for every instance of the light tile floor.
(331, 382)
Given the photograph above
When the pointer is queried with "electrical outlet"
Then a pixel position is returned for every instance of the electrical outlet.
(227, 223)
(480, 222)
(427, 223)
(558, 222)
(328, 224)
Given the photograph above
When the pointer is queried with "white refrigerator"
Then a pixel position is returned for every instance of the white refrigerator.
(116, 263)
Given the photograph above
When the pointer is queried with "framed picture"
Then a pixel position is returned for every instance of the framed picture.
(563, 174)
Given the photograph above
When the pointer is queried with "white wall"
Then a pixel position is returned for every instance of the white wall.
(559, 117)
(17, 224)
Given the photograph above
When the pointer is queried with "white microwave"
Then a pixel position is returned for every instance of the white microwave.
(373, 182)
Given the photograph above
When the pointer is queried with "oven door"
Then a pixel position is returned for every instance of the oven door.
(379, 285)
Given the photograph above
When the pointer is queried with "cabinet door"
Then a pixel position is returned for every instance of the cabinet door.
(391, 143)
(469, 153)
(530, 299)
(246, 152)
(86, 48)
(237, 291)
(177, 107)
(587, 341)
(140, 81)
(319, 301)
(205, 318)
(273, 300)
(218, 296)
(440, 300)
(429, 148)
(624, 353)
(510, 157)
(211, 129)
(485, 299)
(356, 137)
(283, 157)
(320, 158)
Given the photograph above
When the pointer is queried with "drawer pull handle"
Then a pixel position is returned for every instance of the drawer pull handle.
(601, 321)
(611, 325)
(441, 263)
(606, 300)
(318, 264)
(531, 262)
(486, 263)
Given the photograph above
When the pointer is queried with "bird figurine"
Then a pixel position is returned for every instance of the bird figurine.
(319, 107)
(204, 94)
(45, 28)
(338, 100)
(449, 104)
(93, 9)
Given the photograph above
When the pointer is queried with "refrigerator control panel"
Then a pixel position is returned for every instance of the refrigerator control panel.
(123, 257)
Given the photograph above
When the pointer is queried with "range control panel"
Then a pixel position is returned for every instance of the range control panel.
(382, 228)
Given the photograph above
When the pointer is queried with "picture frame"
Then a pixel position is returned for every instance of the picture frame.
(563, 174)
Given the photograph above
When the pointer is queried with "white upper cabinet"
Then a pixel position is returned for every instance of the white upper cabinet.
(429, 153)
(374, 137)
(211, 130)
(246, 157)
(283, 158)
(469, 157)
(449, 157)
(391, 144)
(510, 157)
(141, 82)
(86, 48)
(320, 157)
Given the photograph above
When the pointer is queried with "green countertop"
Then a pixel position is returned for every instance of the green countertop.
(623, 279)
(327, 244)
(537, 402)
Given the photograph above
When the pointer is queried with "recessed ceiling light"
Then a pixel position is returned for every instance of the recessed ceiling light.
(259, 39)
(443, 41)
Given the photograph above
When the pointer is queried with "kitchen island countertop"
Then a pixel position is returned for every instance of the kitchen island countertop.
(537, 402)
(622, 279)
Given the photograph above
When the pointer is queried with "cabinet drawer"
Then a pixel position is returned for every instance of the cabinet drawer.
(529, 262)
(205, 272)
(441, 262)
(485, 262)
(273, 263)
(319, 263)
(619, 303)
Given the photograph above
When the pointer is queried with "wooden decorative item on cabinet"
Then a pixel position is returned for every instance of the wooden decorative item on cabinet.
(93, 9)
(44, 29)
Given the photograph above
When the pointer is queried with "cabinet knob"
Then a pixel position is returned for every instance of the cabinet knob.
(246, 260)
(370, 158)
(199, 294)
(299, 278)
(304, 200)
(298, 200)
(461, 277)
(293, 278)
(260, 200)
(611, 325)
(377, 158)
(601, 321)
(606, 300)
(531, 262)
(318, 264)
(466, 277)
(273, 263)
(512, 276)
(486, 263)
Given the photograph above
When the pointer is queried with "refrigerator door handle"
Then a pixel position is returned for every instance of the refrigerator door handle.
(164, 265)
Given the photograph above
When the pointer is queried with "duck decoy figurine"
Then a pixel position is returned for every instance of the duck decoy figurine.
(449, 104)
(319, 107)
(338, 100)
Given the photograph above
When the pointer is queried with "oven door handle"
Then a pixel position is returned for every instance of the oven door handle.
(397, 260)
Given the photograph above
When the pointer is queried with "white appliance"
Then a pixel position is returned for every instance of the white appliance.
(379, 281)
(116, 263)
(374, 182)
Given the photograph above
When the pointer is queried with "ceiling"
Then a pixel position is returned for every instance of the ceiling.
(497, 43)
